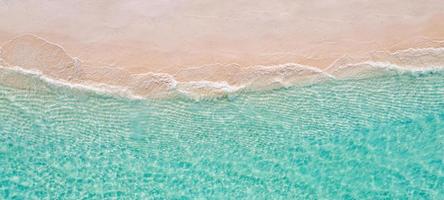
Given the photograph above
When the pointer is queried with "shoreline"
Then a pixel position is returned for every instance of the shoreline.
(30, 76)
(33, 55)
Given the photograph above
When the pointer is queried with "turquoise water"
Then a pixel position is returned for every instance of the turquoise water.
(376, 138)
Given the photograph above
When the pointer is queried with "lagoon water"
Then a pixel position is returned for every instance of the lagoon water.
(372, 138)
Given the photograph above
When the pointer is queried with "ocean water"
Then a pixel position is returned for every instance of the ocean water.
(372, 138)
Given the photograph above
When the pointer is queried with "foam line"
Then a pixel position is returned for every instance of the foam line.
(36, 57)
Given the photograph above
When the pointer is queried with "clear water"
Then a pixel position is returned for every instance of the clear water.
(378, 138)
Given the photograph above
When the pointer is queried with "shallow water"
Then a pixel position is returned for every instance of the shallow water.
(375, 138)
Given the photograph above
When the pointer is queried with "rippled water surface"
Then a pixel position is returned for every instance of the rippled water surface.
(377, 138)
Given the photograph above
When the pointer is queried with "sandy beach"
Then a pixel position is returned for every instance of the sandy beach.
(168, 41)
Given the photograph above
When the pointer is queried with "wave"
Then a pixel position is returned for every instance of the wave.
(37, 58)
